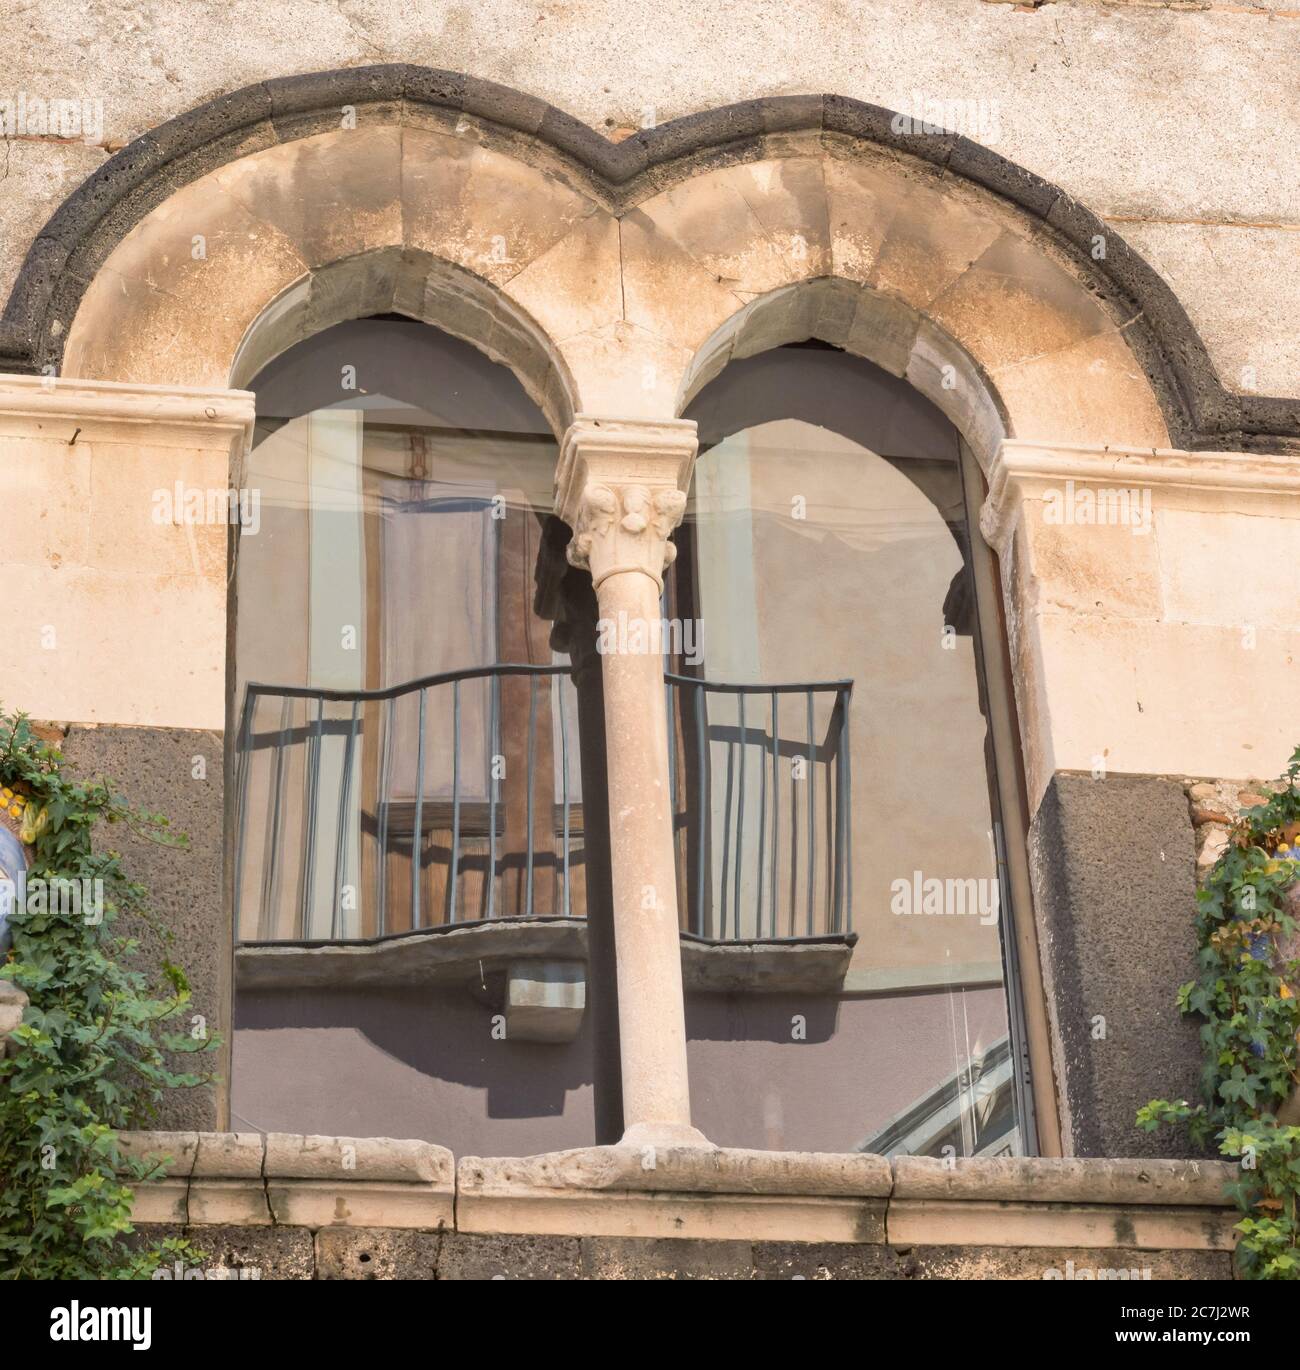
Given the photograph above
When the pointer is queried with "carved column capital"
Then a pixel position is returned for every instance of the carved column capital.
(621, 486)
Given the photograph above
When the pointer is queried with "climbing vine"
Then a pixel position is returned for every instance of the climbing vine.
(1246, 992)
(89, 1057)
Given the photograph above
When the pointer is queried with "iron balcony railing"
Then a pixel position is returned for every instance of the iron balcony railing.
(759, 865)
(398, 809)
(457, 798)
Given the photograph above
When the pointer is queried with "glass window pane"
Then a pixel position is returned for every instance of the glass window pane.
(825, 543)
(410, 747)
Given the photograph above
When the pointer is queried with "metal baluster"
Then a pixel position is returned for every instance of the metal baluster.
(417, 837)
(532, 747)
(776, 803)
(723, 901)
(762, 836)
(702, 819)
(494, 747)
(740, 817)
(833, 861)
(385, 785)
(453, 904)
(832, 830)
(341, 849)
(812, 812)
(244, 764)
(313, 803)
(271, 899)
(841, 816)
(558, 694)
(796, 829)
(848, 826)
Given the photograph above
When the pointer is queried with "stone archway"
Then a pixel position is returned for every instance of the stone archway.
(240, 264)
(629, 256)
(626, 312)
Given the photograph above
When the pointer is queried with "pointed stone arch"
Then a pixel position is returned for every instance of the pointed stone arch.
(613, 261)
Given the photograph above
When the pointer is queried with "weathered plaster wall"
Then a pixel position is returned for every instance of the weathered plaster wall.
(1173, 123)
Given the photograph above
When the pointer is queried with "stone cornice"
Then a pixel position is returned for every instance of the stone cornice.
(45, 408)
(1025, 470)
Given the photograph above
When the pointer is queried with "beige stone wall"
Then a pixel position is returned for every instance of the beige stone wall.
(631, 314)
(1175, 123)
(114, 612)
(1164, 642)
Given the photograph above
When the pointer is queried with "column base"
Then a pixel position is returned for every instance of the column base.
(665, 1135)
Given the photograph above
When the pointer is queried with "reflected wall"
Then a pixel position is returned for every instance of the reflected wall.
(825, 559)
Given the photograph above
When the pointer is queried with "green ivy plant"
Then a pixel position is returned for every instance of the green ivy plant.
(89, 1057)
(1246, 993)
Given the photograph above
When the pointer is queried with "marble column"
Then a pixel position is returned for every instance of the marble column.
(621, 486)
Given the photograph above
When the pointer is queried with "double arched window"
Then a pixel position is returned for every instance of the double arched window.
(421, 753)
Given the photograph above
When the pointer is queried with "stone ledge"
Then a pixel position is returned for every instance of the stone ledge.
(245, 1179)
(692, 1192)
(662, 1214)
(1036, 1179)
(697, 1193)
(113, 410)
(290, 1156)
(175, 1151)
(287, 1155)
(1248, 480)
(972, 1222)
(235, 1203)
(372, 1203)
(229, 1155)
(690, 1170)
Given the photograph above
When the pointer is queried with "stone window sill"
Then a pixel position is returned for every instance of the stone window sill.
(248, 1179)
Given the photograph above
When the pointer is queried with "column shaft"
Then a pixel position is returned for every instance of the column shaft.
(621, 486)
(652, 1023)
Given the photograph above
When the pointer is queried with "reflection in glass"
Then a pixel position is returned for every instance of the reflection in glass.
(399, 545)
(824, 558)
